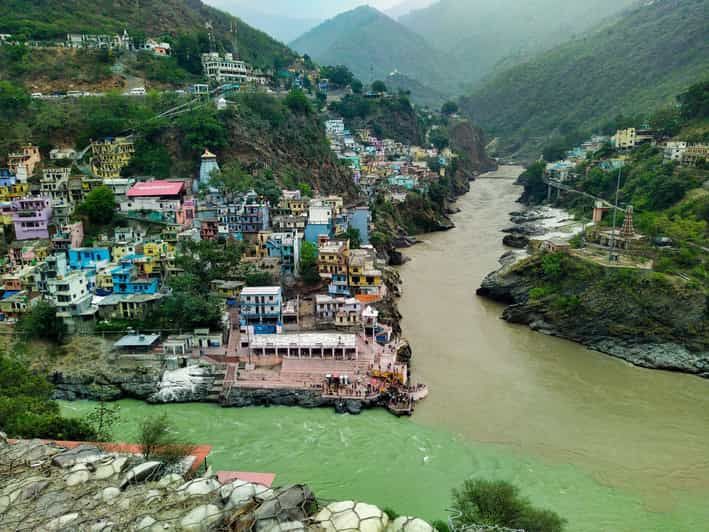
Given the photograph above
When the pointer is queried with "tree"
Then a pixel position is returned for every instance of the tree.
(695, 101)
(298, 102)
(439, 138)
(379, 87)
(14, 100)
(41, 322)
(157, 441)
(339, 75)
(309, 262)
(357, 86)
(449, 108)
(102, 419)
(352, 234)
(27, 409)
(258, 278)
(99, 206)
(498, 503)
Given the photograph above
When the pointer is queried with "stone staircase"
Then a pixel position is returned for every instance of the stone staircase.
(218, 386)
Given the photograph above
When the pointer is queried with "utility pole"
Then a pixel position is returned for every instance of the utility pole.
(615, 214)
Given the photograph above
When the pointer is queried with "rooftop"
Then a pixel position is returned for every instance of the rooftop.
(261, 290)
(137, 340)
(323, 339)
(156, 188)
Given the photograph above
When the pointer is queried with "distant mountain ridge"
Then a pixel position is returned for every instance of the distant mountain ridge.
(373, 45)
(632, 66)
(477, 34)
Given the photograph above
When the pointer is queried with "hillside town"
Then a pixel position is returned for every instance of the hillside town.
(276, 331)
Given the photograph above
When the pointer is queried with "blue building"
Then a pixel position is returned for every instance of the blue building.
(7, 178)
(89, 258)
(262, 307)
(360, 218)
(285, 246)
(320, 222)
(126, 281)
(339, 285)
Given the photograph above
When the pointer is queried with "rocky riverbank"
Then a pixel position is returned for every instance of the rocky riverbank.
(638, 316)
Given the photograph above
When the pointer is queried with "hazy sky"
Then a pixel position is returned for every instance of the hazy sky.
(319, 9)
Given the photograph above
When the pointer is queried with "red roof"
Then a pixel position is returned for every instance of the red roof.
(156, 188)
(265, 479)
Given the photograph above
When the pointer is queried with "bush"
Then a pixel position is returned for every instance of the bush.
(41, 322)
(498, 503)
(158, 441)
(298, 102)
(99, 206)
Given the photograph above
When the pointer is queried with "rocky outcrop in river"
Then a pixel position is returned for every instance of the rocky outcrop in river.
(644, 318)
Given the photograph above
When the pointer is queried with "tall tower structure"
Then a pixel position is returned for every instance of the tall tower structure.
(207, 167)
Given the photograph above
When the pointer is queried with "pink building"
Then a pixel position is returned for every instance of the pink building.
(160, 200)
(69, 236)
(30, 217)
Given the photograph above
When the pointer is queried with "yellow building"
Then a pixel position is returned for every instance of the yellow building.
(13, 192)
(294, 206)
(104, 280)
(158, 250)
(109, 156)
(332, 258)
(118, 251)
(226, 289)
(363, 276)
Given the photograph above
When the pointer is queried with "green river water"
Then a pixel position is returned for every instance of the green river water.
(608, 446)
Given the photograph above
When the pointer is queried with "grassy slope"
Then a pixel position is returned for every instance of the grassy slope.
(54, 18)
(632, 66)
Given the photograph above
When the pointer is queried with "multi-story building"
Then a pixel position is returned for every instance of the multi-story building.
(31, 218)
(89, 258)
(161, 201)
(695, 153)
(68, 236)
(110, 155)
(54, 184)
(253, 216)
(22, 163)
(364, 277)
(261, 305)
(119, 186)
(126, 281)
(209, 228)
(291, 203)
(360, 218)
(227, 69)
(286, 246)
(51, 268)
(70, 293)
(289, 223)
(332, 257)
(320, 223)
(128, 306)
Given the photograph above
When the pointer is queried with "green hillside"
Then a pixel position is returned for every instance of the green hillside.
(53, 19)
(373, 45)
(478, 34)
(629, 67)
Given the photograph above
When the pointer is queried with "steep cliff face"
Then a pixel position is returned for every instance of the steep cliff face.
(645, 318)
(469, 142)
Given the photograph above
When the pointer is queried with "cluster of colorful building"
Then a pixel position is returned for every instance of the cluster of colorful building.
(385, 165)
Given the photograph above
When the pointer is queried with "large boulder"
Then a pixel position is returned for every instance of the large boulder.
(82, 454)
(350, 515)
(292, 503)
(239, 493)
(409, 524)
(202, 518)
(141, 473)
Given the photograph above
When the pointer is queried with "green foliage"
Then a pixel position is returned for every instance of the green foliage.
(27, 409)
(102, 419)
(41, 323)
(202, 129)
(357, 86)
(610, 67)
(352, 234)
(695, 101)
(164, 70)
(265, 107)
(535, 191)
(14, 100)
(379, 86)
(309, 263)
(552, 266)
(298, 102)
(499, 503)
(259, 279)
(157, 440)
(339, 75)
(391, 513)
(439, 138)
(99, 206)
(440, 526)
(535, 294)
(449, 108)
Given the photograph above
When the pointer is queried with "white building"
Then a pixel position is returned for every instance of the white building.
(226, 69)
(70, 294)
(336, 346)
(674, 150)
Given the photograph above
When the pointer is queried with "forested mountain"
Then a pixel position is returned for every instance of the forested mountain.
(628, 67)
(53, 19)
(406, 7)
(373, 45)
(477, 34)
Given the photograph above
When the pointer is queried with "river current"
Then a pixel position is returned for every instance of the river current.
(609, 446)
